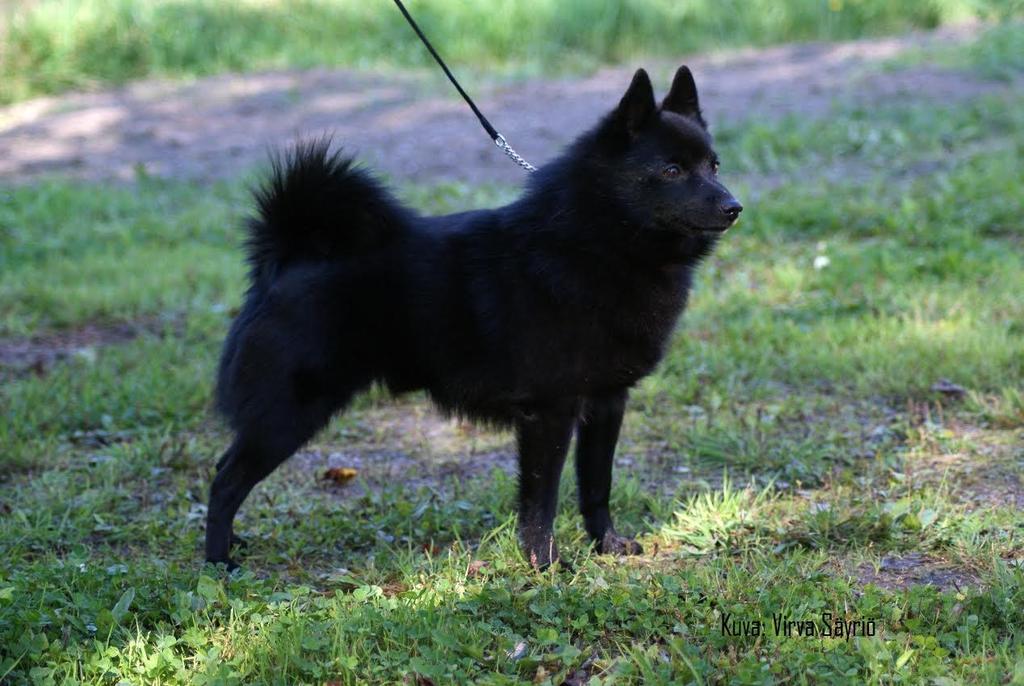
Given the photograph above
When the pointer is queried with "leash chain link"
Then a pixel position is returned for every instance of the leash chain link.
(499, 140)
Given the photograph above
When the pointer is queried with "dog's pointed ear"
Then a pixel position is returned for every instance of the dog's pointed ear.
(682, 97)
(637, 106)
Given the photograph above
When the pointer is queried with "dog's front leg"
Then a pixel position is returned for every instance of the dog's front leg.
(595, 451)
(543, 435)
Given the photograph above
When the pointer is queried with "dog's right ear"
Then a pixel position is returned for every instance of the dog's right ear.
(637, 107)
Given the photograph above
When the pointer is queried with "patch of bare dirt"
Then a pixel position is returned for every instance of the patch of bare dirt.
(408, 443)
(410, 126)
(376, 469)
(36, 354)
(982, 468)
(896, 573)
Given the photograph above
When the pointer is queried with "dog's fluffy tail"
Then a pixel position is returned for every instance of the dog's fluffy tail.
(317, 205)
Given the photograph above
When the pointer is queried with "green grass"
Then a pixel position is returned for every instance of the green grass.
(789, 447)
(54, 45)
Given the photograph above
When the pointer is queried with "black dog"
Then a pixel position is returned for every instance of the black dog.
(539, 315)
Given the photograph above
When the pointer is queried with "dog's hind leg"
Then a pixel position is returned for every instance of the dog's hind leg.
(595, 451)
(229, 488)
(543, 436)
(258, 449)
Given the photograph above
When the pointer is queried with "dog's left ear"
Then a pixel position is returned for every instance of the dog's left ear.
(682, 97)
(637, 106)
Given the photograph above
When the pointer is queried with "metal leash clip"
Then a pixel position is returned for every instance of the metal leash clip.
(499, 140)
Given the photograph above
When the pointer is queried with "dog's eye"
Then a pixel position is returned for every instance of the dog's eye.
(714, 167)
(671, 171)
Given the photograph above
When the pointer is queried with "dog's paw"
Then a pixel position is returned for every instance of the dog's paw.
(556, 563)
(613, 544)
(542, 552)
(227, 564)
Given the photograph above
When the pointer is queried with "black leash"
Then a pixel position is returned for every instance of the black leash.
(498, 139)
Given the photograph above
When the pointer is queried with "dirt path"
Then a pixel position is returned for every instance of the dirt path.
(411, 127)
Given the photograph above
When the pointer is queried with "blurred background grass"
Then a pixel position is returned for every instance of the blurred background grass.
(54, 45)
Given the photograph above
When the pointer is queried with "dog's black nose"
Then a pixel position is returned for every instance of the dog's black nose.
(731, 208)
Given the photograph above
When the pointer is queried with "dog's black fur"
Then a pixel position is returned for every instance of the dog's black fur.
(538, 316)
